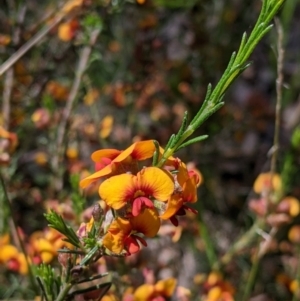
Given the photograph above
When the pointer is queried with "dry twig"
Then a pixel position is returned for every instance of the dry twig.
(9, 77)
(59, 150)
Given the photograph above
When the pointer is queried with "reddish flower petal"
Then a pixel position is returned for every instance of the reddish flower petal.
(137, 206)
(105, 153)
(174, 221)
(131, 245)
(141, 150)
(141, 240)
(95, 176)
(190, 190)
(139, 203)
(102, 163)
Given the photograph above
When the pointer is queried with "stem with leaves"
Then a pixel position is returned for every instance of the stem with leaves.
(213, 99)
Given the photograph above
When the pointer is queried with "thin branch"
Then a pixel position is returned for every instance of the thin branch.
(9, 77)
(265, 245)
(29, 44)
(279, 84)
(7, 91)
(82, 64)
(67, 9)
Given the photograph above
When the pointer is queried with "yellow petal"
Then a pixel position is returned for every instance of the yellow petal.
(23, 269)
(263, 182)
(8, 252)
(147, 222)
(95, 176)
(174, 203)
(4, 239)
(105, 153)
(117, 190)
(106, 126)
(117, 232)
(158, 182)
(143, 292)
(166, 287)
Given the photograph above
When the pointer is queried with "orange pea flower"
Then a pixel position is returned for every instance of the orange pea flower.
(113, 161)
(185, 192)
(161, 291)
(138, 190)
(218, 289)
(122, 233)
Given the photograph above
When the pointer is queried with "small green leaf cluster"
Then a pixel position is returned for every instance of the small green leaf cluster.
(57, 222)
(49, 281)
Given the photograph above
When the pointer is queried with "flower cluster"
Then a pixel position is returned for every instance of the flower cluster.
(40, 247)
(138, 195)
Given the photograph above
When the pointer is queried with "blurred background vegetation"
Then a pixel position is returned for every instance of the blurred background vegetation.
(150, 61)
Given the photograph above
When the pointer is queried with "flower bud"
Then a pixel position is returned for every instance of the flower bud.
(97, 212)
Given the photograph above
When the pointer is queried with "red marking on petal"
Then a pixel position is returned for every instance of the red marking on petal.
(174, 221)
(147, 202)
(190, 209)
(102, 163)
(131, 245)
(137, 206)
(141, 240)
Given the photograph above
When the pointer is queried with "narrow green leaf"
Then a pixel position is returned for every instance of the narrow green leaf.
(194, 140)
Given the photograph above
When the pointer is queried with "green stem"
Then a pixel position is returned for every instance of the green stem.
(244, 241)
(64, 292)
(209, 245)
(251, 278)
(236, 65)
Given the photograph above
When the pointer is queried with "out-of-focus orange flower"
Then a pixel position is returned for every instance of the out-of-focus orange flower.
(112, 161)
(44, 245)
(91, 96)
(4, 39)
(294, 234)
(110, 297)
(22, 74)
(148, 21)
(4, 239)
(67, 31)
(114, 46)
(8, 251)
(11, 137)
(41, 158)
(137, 191)
(121, 234)
(57, 90)
(106, 126)
(12, 258)
(72, 152)
(41, 118)
(289, 205)
(267, 182)
(161, 291)
(119, 94)
(218, 289)
(71, 6)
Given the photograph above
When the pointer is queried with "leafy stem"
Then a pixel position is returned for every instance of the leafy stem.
(237, 64)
